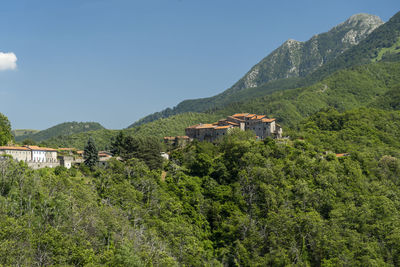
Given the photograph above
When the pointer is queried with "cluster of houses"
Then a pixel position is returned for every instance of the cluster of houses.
(262, 126)
(39, 157)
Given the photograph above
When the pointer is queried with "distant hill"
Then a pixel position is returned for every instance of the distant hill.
(171, 126)
(283, 68)
(21, 132)
(66, 128)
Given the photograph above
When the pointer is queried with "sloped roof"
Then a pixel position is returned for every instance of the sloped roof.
(41, 148)
(267, 120)
(14, 148)
(223, 127)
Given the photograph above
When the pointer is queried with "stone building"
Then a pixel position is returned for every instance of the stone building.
(262, 126)
(36, 157)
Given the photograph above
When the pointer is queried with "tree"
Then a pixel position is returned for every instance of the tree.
(5, 130)
(90, 155)
(117, 144)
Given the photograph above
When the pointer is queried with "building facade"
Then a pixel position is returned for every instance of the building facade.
(262, 126)
(36, 157)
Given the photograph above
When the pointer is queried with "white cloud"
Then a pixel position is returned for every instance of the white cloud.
(8, 61)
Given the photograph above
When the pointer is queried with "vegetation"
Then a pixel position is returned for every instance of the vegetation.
(147, 149)
(90, 154)
(366, 85)
(20, 132)
(63, 129)
(236, 202)
(5, 130)
(172, 126)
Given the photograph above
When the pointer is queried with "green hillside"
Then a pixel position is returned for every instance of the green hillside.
(21, 132)
(171, 126)
(239, 202)
(363, 130)
(283, 68)
(374, 84)
(66, 128)
(346, 89)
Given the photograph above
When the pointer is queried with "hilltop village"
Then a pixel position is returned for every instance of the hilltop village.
(39, 157)
(262, 126)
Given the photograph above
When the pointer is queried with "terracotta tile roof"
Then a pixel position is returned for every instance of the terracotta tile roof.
(250, 115)
(235, 118)
(41, 148)
(169, 138)
(267, 120)
(26, 148)
(342, 155)
(233, 123)
(240, 115)
(13, 148)
(205, 126)
(67, 148)
(193, 126)
(223, 127)
(258, 117)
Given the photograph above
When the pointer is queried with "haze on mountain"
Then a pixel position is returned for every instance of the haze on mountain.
(282, 68)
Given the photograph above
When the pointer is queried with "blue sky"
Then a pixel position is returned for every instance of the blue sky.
(115, 61)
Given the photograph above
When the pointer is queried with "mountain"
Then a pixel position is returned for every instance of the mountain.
(298, 59)
(282, 68)
(383, 44)
(66, 128)
(358, 86)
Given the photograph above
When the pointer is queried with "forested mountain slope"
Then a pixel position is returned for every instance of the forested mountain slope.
(237, 202)
(374, 84)
(291, 60)
(66, 128)
(346, 89)
(171, 126)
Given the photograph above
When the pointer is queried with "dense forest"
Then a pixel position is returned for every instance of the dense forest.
(236, 202)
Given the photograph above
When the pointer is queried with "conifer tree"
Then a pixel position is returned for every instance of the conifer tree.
(90, 154)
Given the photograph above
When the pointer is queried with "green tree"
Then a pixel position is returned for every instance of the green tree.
(5, 130)
(90, 155)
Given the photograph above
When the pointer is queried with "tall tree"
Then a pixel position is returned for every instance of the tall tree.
(90, 155)
(117, 144)
(5, 130)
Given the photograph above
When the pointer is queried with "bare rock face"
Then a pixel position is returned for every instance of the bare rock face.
(297, 59)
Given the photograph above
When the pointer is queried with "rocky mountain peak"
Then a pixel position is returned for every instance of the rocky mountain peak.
(363, 18)
(294, 58)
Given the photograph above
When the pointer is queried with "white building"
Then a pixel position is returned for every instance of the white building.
(36, 157)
